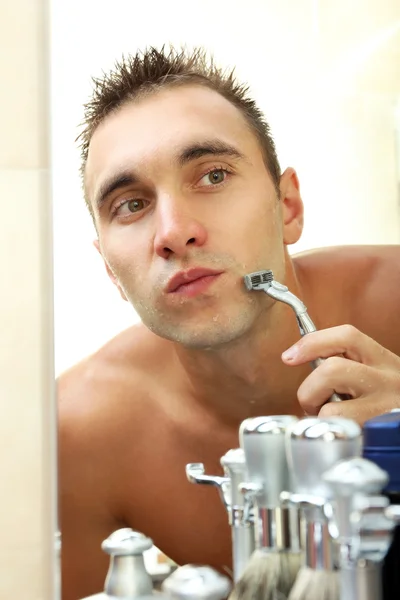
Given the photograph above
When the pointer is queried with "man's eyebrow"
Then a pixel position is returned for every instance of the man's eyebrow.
(191, 152)
(208, 147)
(120, 180)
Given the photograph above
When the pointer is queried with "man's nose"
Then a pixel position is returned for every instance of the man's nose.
(176, 228)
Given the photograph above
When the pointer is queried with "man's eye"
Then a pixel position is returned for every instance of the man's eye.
(130, 206)
(214, 177)
(135, 205)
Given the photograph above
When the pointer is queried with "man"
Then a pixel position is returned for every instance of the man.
(181, 177)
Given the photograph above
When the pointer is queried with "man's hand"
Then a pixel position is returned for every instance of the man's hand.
(355, 365)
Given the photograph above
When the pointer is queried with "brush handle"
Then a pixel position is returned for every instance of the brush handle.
(263, 442)
(314, 445)
(243, 545)
(279, 528)
(316, 540)
(240, 517)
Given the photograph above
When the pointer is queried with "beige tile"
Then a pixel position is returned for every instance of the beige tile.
(26, 582)
(27, 440)
(23, 73)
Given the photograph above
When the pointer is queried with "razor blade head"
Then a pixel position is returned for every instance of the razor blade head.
(253, 281)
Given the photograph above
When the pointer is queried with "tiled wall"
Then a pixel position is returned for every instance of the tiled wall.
(27, 425)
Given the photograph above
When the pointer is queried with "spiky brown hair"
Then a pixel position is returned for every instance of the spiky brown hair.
(148, 71)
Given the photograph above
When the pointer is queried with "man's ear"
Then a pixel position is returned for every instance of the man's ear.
(110, 273)
(292, 206)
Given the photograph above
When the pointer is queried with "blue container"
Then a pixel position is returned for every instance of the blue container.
(382, 446)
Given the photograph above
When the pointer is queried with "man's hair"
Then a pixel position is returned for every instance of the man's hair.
(136, 76)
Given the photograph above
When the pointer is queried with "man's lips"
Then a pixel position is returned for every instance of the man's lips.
(185, 277)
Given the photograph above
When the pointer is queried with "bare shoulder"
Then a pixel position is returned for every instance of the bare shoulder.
(349, 258)
(108, 394)
(102, 403)
(363, 284)
(92, 385)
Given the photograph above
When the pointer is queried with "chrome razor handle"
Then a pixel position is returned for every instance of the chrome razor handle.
(307, 326)
(280, 292)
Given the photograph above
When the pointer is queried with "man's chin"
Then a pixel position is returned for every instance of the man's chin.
(198, 336)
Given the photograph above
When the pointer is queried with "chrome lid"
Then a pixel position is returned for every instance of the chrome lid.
(197, 583)
(234, 460)
(356, 475)
(126, 542)
(327, 430)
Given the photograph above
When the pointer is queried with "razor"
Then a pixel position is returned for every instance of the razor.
(264, 281)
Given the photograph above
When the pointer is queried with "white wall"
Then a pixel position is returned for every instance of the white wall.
(327, 75)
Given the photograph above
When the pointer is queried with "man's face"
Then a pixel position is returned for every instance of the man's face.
(177, 182)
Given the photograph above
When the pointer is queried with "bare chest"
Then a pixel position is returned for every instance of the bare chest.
(187, 521)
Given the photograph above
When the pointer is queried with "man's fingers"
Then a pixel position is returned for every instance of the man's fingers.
(355, 365)
(360, 409)
(344, 340)
(339, 375)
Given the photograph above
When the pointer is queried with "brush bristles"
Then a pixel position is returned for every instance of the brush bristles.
(316, 585)
(253, 280)
(269, 575)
